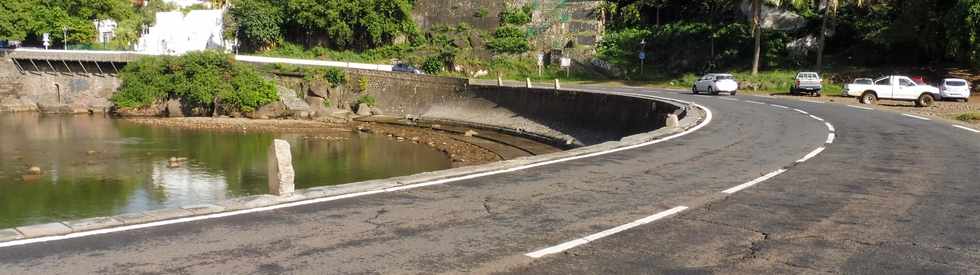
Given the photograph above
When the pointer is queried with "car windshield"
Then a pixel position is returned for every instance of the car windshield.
(723, 77)
(955, 83)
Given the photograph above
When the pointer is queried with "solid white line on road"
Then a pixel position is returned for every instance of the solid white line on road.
(831, 137)
(741, 187)
(707, 119)
(801, 111)
(812, 101)
(754, 102)
(817, 118)
(967, 128)
(917, 117)
(779, 106)
(728, 98)
(811, 155)
(860, 107)
(609, 232)
(830, 126)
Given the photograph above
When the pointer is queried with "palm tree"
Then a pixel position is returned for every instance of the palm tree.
(829, 12)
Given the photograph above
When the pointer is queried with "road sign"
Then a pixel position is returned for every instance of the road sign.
(643, 55)
(540, 59)
(566, 62)
(46, 39)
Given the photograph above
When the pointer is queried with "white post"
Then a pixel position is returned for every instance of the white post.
(528, 85)
(672, 121)
(557, 85)
(500, 80)
(281, 174)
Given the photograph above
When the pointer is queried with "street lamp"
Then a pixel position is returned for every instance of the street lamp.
(65, 37)
(643, 54)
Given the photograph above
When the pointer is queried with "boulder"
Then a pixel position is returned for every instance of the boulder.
(271, 110)
(174, 108)
(375, 111)
(320, 88)
(363, 109)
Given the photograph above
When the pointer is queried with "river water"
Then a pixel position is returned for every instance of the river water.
(96, 166)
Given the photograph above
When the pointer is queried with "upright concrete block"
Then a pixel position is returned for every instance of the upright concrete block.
(281, 174)
(500, 80)
(557, 85)
(672, 121)
(528, 83)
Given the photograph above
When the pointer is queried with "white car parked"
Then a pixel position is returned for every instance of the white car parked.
(715, 84)
(894, 87)
(955, 88)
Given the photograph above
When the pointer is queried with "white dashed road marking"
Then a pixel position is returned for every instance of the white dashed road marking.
(754, 102)
(917, 117)
(860, 107)
(816, 117)
(779, 106)
(811, 155)
(609, 232)
(741, 187)
(967, 128)
(831, 137)
(801, 111)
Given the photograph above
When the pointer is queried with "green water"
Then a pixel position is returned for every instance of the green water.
(96, 166)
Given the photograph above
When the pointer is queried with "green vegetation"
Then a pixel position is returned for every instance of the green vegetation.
(516, 15)
(27, 20)
(704, 35)
(509, 39)
(336, 24)
(969, 117)
(366, 99)
(209, 80)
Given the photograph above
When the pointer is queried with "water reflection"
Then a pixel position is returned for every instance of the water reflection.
(95, 166)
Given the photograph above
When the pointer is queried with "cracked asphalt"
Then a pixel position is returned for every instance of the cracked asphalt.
(892, 195)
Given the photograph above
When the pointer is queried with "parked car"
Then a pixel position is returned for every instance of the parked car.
(859, 81)
(716, 84)
(405, 68)
(807, 82)
(894, 87)
(954, 88)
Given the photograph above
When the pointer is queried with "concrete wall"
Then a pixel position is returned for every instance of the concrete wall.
(63, 92)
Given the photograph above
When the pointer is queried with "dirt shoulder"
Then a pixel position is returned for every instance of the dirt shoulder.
(941, 109)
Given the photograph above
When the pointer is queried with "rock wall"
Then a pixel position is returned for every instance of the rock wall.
(53, 92)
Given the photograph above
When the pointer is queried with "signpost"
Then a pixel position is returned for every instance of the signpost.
(566, 63)
(540, 63)
(46, 38)
(643, 54)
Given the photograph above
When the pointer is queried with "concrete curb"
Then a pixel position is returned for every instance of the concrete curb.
(692, 117)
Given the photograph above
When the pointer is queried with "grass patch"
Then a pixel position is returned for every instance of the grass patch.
(969, 117)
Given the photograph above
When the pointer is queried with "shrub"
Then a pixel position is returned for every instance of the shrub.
(516, 15)
(145, 81)
(335, 76)
(366, 99)
(199, 79)
(432, 65)
(509, 39)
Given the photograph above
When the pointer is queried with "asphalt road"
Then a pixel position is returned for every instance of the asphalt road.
(892, 195)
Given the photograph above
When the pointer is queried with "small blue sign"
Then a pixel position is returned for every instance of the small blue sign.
(643, 55)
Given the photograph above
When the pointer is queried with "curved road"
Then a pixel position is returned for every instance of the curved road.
(892, 194)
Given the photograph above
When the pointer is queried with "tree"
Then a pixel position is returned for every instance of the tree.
(757, 32)
(259, 22)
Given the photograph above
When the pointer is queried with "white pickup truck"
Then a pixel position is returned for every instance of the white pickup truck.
(894, 87)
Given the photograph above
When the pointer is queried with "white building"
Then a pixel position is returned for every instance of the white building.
(176, 33)
(187, 3)
(106, 29)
